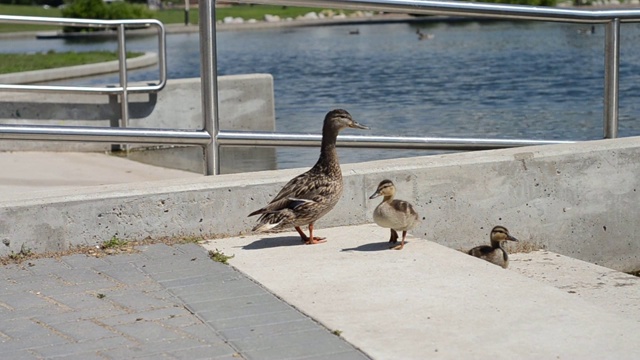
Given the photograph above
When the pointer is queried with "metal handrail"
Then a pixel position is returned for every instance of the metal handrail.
(121, 25)
(123, 90)
(612, 19)
(105, 134)
(245, 138)
(462, 8)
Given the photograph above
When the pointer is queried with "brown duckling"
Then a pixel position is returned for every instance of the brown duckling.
(309, 196)
(495, 253)
(397, 215)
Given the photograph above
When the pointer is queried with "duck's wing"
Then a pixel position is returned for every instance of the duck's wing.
(304, 188)
(481, 250)
(404, 207)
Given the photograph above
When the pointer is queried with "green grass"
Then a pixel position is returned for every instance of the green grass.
(169, 16)
(219, 256)
(10, 63)
(27, 11)
(114, 243)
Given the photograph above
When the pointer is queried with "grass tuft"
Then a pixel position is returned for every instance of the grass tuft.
(218, 256)
(114, 243)
(24, 253)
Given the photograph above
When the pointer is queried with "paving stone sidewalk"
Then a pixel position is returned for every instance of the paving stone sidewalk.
(169, 302)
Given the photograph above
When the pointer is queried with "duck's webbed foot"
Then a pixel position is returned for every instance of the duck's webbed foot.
(310, 240)
(315, 240)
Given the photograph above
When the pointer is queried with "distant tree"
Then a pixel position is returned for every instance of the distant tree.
(98, 9)
(85, 9)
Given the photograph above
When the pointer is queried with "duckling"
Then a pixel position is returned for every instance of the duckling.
(423, 36)
(495, 253)
(311, 195)
(397, 215)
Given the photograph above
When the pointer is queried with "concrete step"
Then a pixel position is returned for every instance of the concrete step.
(430, 301)
(609, 289)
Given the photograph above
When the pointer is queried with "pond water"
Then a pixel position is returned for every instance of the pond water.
(506, 80)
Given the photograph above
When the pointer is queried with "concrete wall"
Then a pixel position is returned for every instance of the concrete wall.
(578, 200)
(246, 102)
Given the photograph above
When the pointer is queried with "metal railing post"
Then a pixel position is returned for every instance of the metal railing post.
(124, 95)
(611, 78)
(209, 84)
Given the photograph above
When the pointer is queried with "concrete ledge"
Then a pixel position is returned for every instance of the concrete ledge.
(579, 200)
(69, 72)
(246, 103)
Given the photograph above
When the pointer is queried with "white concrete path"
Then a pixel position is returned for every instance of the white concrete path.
(429, 301)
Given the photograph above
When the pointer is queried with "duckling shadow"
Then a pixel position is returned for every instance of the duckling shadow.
(370, 247)
(272, 242)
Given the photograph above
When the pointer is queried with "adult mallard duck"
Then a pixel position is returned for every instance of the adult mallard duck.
(397, 215)
(495, 253)
(311, 195)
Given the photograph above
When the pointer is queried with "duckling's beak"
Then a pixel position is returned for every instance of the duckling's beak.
(356, 125)
(509, 237)
(375, 195)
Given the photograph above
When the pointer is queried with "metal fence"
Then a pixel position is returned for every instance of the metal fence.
(102, 134)
(211, 138)
(612, 19)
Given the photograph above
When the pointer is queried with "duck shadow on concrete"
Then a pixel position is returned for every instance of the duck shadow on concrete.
(379, 246)
(272, 242)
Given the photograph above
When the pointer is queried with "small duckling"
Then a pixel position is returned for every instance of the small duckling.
(423, 36)
(393, 214)
(495, 253)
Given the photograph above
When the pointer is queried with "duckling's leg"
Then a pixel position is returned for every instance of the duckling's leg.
(394, 237)
(309, 240)
(399, 247)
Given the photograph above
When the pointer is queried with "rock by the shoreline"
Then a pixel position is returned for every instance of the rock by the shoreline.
(310, 16)
(232, 20)
(271, 18)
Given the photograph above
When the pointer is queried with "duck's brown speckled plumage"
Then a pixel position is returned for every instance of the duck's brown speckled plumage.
(397, 215)
(311, 195)
(496, 253)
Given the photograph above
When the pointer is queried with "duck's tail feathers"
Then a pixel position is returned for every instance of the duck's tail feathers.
(260, 227)
(257, 212)
(271, 219)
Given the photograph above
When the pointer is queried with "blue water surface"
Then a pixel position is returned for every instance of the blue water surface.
(528, 80)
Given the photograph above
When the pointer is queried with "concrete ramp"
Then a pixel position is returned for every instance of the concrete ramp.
(430, 301)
